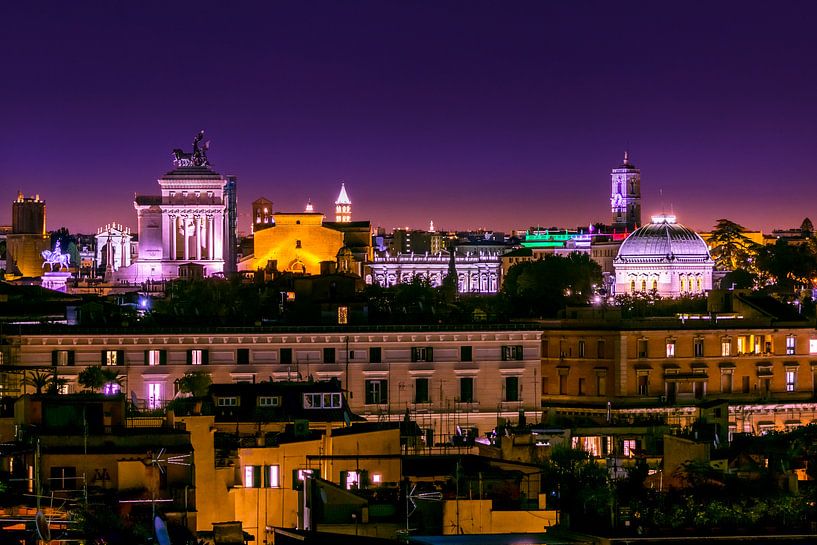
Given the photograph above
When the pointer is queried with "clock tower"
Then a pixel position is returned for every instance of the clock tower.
(625, 196)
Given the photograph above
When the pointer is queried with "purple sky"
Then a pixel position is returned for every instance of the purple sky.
(474, 114)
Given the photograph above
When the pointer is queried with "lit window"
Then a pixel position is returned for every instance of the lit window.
(227, 401)
(343, 315)
(196, 357)
(273, 477)
(323, 401)
(670, 349)
(352, 480)
(154, 357)
(111, 357)
(726, 347)
(154, 395)
(812, 346)
(698, 347)
(269, 401)
(790, 344)
(62, 357)
(252, 476)
(111, 388)
(791, 380)
(377, 478)
(629, 447)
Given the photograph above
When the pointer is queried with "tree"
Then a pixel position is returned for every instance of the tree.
(38, 380)
(731, 248)
(807, 228)
(91, 378)
(787, 265)
(196, 383)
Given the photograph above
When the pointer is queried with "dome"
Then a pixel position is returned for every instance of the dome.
(663, 240)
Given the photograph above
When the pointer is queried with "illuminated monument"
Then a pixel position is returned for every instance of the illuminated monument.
(664, 257)
(625, 196)
(28, 238)
(188, 223)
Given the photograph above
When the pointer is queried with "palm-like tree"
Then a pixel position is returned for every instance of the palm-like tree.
(38, 380)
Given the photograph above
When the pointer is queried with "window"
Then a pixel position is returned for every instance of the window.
(242, 356)
(466, 389)
(745, 384)
(511, 388)
(375, 355)
(422, 353)
(514, 352)
(791, 379)
(421, 390)
(643, 384)
(670, 348)
(544, 385)
(642, 348)
(726, 347)
(58, 357)
(297, 243)
(377, 392)
(601, 384)
(273, 476)
(581, 391)
(343, 315)
(197, 356)
(328, 355)
(628, 447)
(154, 395)
(111, 388)
(262, 476)
(812, 346)
(726, 382)
(113, 357)
(466, 353)
(323, 400)
(285, 355)
(231, 401)
(698, 348)
(269, 401)
(791, 341)
(562, 383)
(600, 349)
(581, 348)
(153, 357)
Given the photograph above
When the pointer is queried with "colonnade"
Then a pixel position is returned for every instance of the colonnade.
(195, 229)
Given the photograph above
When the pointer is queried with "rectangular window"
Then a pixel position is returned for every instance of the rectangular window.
(377, 392)
(196, 356)
(791, 341)
(242, 356)
(343, 315)
(231, 401)
(745, 385)
(269, 401)
(419, 353)
(643, 385)
(698, 348)
(466, 353)
(60, 357)
(328, 355)
(670, 349)
(791, 380)
(642, 348)
(514, 352)
(562, 384)
(154, 395)
(154, 357)
(726, 383)
(421, 390)
(252, 476)
(581, 391)
(466, 389)
(544, 385)
(726, 347)
(323, 401)
(601, 385)
(111, 357)
(272, 476)
(511, 388)
(581, 348)
(600, 349)
(375, 355)
(812, 346)
(285, 356)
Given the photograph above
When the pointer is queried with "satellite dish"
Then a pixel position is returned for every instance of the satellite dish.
(161, 531)
(43, 528)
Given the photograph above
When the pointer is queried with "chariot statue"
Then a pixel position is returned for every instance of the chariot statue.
(198, 158)
(56, 258)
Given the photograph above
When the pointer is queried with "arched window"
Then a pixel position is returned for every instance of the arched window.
(654, 284)
(698, 284)
(632, 286)
(683, 284)
(644, 285)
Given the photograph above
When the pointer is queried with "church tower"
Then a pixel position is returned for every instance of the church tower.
(625, 196)
(343, 206)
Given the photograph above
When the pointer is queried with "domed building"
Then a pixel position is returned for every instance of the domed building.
(665, 257)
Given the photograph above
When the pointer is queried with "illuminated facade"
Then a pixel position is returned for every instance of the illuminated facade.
(113, 246)
(27, 239)
(478, 273)
(296, 242)
(261, 214)
(625, 196)
(663, 257)
(343, 206)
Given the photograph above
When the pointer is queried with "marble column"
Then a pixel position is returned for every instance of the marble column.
(186, 236)
(210, 238)
(198, 236)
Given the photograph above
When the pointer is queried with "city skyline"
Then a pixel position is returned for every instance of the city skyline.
(495, 118)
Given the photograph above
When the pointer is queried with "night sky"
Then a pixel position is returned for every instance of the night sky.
(474, 114)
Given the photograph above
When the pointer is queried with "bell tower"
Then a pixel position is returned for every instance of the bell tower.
(625, 196)
(343, 206)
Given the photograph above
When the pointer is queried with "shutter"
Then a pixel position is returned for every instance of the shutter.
(120, 357)
(147, 355)
(429, 354)
(189, 357)
(54, 357)
(265, 469)
(413, 354)
(71, 358)
(256, 477)
(205, 357)
(384, 391)
(162, 357)
(102, 357)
